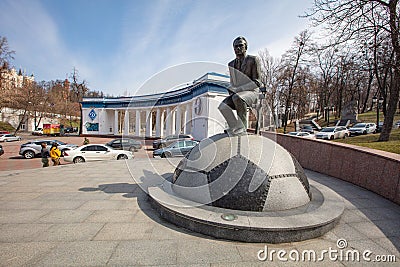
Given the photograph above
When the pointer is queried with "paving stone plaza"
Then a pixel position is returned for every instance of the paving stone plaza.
(95, 214)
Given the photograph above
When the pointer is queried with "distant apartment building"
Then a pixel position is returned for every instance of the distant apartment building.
(11, 78)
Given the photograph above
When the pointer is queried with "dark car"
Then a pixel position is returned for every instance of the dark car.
(160, 143)
(125, 144)
(176, 149)
(1, 150)
(70, 130)
(307, 128)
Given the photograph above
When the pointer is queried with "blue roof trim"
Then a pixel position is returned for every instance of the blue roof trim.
(168, 98)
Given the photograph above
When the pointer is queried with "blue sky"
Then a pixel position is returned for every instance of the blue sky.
(118, 45)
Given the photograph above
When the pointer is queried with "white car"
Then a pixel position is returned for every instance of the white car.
(95, 152)
(362, 128)
(331, 133)
(302, 134)
(9, 138)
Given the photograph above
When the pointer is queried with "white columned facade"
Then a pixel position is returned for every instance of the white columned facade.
(149, 123)
(184, 119)
(178, 120)
(188, 117)
(126, 122)
(173, 119)
(162, 123)
(175, 112)
(158, 122)
(168, 121)
(137, 123)
(116, 130)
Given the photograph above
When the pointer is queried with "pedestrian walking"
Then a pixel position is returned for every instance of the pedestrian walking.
(55, 154)
(45, 155)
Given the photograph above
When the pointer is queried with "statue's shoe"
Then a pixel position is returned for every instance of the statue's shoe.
(235, 131)
(240, 131)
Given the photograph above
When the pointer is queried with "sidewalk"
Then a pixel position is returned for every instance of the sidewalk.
(94, 214)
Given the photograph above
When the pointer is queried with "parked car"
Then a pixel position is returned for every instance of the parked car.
(307, 128)
(396, 125)
(32, 149)
(179, 148)
(379, 127)
(9, 138)
(95, 152)
(125, 144)
(1, 150)
(4, 132)
(331, 133)
(70, 130)
(171, 139)
(38, 131)
(302, 134)
(362, 128)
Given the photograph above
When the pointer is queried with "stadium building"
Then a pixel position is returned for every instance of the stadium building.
(190, 110)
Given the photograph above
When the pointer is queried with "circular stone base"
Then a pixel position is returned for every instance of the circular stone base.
(312, 220)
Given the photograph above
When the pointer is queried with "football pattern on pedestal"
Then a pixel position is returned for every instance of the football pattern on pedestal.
(248, 172)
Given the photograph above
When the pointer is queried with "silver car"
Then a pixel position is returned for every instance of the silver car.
(32, 149)
(9, 138)
(160, 143)
(177, 149)
(363, 128)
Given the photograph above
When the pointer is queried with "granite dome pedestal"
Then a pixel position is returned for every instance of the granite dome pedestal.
(247, 172)
(246, 188)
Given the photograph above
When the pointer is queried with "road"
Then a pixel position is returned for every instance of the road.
(11, 160)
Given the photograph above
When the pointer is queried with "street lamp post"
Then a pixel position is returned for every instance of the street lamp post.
(281, 115)
(378, 105)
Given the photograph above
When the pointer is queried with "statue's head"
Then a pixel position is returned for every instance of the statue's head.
(240, 46)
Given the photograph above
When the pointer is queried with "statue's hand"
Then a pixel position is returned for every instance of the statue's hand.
(232, 89)
(235, 89)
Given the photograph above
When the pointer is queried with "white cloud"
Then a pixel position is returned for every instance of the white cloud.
(34, 35)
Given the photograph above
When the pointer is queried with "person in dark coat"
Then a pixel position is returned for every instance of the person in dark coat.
(45, 155)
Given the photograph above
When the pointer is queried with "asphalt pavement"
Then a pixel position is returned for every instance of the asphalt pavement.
(11, 160)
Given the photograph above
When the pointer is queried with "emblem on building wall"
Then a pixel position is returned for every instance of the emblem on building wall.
(92, 114)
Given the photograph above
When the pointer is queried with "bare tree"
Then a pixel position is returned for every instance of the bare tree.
(289, 70)
(352, 20)
(79, 90)
(6, 55)
(269, 68)
(24, 100)
(325, 60)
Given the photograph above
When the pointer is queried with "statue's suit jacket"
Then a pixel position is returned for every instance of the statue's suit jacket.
(245, 78)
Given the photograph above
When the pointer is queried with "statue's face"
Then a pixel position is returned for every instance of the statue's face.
(240, 48)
